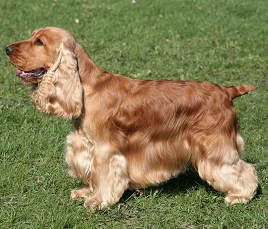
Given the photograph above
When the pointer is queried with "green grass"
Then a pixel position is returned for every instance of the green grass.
(221, 41)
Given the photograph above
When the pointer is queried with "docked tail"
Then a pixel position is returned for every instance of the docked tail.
(235, 91)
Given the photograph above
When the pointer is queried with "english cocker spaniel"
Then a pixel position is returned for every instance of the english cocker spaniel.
(130, 133)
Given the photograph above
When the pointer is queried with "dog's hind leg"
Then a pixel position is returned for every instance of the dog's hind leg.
(243, 182)
(228, 173)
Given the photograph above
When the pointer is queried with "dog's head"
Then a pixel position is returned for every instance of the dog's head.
(35, 57)
(49, 62)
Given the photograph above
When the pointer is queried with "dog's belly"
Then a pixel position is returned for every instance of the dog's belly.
(150, 177)
(155, 163)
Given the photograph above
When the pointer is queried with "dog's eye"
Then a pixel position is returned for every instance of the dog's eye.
(39, 42)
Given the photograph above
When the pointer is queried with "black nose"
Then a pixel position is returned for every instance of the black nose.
(9, 50)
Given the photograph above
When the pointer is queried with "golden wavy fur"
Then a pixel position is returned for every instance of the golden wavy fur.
(130, 133)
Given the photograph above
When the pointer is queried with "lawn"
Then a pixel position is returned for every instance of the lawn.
(222, 41)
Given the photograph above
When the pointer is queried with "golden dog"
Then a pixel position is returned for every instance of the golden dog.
(130, 133)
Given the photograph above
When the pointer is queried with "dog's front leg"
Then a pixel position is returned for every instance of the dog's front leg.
(79, 158)
(109, 178)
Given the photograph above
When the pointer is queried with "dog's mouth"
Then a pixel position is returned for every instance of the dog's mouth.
(36, 73)
(31, 77)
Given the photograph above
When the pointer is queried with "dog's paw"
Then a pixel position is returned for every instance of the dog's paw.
(92, 203)
(235, 199)
(74, 194)
(80, 193)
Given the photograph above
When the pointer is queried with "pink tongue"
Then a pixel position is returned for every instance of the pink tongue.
(18, 72)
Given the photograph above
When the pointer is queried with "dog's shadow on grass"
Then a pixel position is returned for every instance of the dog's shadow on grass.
(180, 184)
(184, 182)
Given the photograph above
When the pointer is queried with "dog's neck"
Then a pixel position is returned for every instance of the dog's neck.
(90, 73)
(86, 66)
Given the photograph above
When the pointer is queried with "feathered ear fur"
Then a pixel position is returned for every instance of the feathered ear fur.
(60, 92)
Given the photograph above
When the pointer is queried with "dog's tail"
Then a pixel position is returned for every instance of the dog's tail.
(236, 91)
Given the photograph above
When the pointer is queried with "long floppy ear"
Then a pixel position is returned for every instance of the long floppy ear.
(60, 92)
